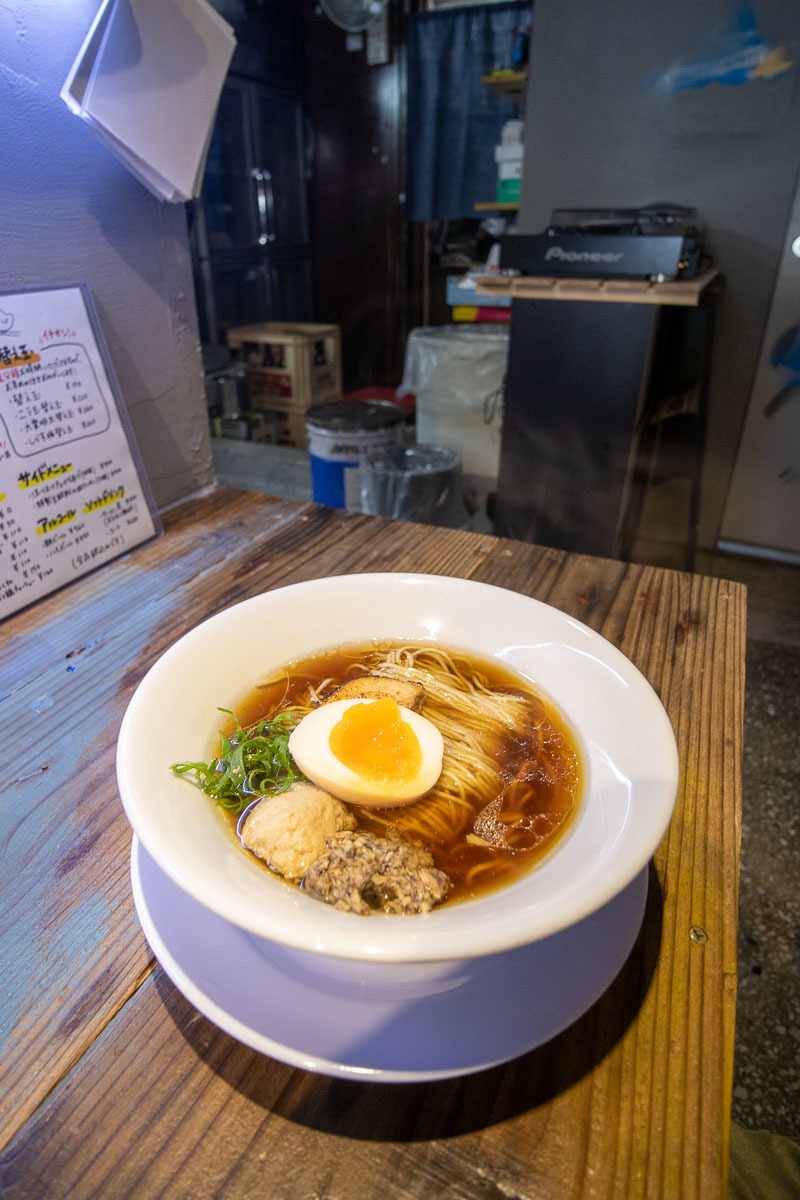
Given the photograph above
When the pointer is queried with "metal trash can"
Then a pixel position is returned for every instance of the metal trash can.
(414, 483)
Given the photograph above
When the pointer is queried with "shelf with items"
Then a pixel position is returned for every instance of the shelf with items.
(510, 84)
(509, 153)
(496, 206)
(680, 292)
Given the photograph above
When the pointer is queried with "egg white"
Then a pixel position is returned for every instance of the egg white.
(309, 746)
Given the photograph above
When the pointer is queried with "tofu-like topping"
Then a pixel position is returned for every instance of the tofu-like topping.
(291, 831)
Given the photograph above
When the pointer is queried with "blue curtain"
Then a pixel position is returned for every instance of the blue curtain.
(454, 122)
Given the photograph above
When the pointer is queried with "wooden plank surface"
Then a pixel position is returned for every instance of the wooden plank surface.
(681, 292)
(112, 1085)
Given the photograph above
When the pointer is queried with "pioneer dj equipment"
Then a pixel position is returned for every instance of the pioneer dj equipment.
(654, 219)
(658, 242)
(597, 382)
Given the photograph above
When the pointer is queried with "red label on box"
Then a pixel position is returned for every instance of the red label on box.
(270, 383)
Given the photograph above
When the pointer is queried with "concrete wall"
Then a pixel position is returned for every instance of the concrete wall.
(69, 211)
(598, 133)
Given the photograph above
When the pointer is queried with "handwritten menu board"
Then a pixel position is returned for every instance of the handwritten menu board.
(73, 493)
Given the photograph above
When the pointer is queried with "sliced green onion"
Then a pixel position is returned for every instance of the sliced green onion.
(252, 762)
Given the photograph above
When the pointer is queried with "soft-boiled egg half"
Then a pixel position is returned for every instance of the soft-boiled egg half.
(370, 752)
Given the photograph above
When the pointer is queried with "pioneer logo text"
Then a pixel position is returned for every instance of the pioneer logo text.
(588, 256)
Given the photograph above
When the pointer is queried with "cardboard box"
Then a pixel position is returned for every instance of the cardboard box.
(458, 294)
(508, 191)
(473, 312)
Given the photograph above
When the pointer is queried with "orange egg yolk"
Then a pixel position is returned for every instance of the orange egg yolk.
(375, 742)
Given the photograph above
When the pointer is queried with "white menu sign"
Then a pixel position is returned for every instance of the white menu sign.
(73, 493)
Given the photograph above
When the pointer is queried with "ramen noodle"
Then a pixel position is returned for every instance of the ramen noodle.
(511, 774)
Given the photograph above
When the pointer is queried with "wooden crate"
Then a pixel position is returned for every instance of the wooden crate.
(289, 366)
(283, 426)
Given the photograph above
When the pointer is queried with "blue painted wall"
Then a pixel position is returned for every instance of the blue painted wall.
(70, 211)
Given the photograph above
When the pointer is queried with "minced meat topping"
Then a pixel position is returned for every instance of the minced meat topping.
(361, 873)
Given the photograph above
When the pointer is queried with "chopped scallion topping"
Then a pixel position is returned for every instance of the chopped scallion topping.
(252, 762)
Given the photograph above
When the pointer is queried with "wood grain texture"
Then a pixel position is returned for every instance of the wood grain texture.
(683, 292)
(111, 1084)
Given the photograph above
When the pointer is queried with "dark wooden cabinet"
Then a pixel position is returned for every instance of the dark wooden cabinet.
(328, 127)
(251, 244)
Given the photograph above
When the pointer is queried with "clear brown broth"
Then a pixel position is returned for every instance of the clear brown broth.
(539, 763)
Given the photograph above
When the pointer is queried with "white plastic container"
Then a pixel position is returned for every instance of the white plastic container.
(511, 133)
(456, 373)
(510, 170)
(509, 153)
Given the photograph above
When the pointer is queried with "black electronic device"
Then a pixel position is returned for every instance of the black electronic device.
(659, 242)
(654, 219)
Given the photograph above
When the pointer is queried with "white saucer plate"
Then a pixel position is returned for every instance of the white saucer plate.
(386, 1023)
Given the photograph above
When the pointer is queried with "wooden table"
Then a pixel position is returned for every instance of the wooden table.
(112, 1085)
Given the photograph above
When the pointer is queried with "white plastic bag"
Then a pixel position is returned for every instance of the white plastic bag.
(456, 373)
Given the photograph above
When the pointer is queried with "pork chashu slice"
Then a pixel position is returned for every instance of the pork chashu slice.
(406, 692)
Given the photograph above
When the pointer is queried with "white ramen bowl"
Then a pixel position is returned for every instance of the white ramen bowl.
(630, 761)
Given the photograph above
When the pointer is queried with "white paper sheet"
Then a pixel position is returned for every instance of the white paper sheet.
(147, 80)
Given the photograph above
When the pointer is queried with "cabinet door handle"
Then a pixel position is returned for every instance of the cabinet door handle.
(269, 196)
(265, 203)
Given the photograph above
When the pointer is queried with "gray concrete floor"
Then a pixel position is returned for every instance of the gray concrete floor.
(766, 1092)
(277, 470)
